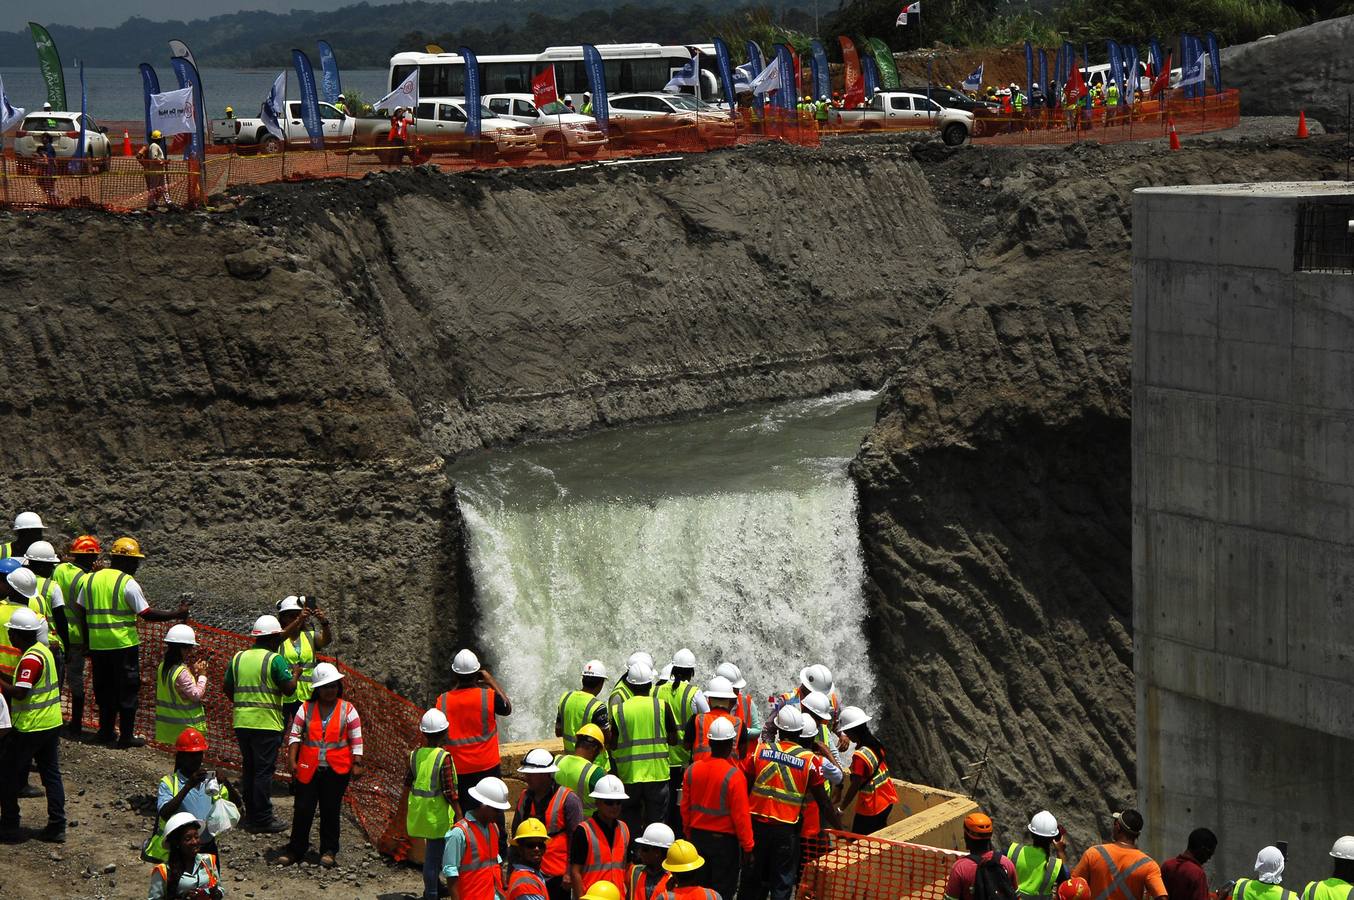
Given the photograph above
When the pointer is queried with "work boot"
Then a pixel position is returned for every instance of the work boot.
(52, 834)
(12, 836)
(132, 741)
(105, 738)
(29, 791)
(272, 826)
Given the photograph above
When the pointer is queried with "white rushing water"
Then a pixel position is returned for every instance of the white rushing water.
(734, 535)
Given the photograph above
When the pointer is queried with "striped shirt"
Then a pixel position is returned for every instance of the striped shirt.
(354, 728)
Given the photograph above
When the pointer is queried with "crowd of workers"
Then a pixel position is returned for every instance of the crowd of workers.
(664, 789)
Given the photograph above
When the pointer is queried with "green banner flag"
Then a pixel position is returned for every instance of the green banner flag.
(50, 64)
(888, 72)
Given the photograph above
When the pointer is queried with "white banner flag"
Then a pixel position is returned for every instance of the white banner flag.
(172, 112)
(273, 110)
(768, 80)
(404, 95)
(10, 115)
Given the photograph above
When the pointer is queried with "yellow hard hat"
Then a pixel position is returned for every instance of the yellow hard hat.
(682, 857)
(602, 890)
(128, 546)
(154, 136)
(531, 829)
(592, 731)
(230, 109)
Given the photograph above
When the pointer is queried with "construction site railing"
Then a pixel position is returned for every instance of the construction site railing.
(839, 865)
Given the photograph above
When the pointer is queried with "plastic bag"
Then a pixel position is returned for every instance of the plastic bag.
(223, 817)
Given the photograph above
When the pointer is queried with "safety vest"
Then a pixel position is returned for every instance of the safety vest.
(743, 710)
(109, 620)
(6, 549)
(9, 654)
(619, 694)
(1112, 95)
(645, 885)
(155, 845)
(41, 603)
(701, 745)
(525, 882)
(324, 743)
(576, 773)
(780, 781)
(429, 813)
(878, 794)
(576, 709)
(587, 108)
(681, 699)
(1118, 878)
(1036, 871)
(1329, 889)
(606, 861)
(300, 650)
(556, 858)
(690, 893)
(820, 111)
(68, 577)
(173, 711)
(258, 702)
(641, 740)
(1250, 889)
(480, 875)
(41, 709)
(706, 793)
(472, 738)
(204, 860)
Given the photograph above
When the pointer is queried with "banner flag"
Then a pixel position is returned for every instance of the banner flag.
(329, 73)
(1043, 78)
(1191, 66)
(888, 72)
(870, 72)
(10, 115)
(473, 95)
(274, 108)
(822, 75)
(173, 112)
(1162, 82)
(592, 61)
(1076, 85)
(786, 95)
(852, 77)
(742, 78)
(974, 81)
(310, 99)
(544, 90)
(1154, 58)
(178, 49)
(49, 61)
(1116, 71)
(405, 95)
(1029, 70)
(726, 75)
(687, 76)
(84, 109)
(910, 8)
(188, 77)
(1215, 61)
(150, 84)
(1134, 73)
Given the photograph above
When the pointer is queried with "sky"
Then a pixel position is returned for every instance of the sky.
(94, 13)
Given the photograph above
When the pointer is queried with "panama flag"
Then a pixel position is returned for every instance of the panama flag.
(910, 8)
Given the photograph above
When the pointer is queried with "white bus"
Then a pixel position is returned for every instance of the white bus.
(629, 68)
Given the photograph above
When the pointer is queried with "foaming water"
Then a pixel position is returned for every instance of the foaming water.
(734, 535)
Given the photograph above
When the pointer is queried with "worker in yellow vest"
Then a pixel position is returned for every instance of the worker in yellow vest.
(20, 585)
(113, 604)
(645, 729)
(1340, 884)
(82, 558)
(686, 701)
(256, 682)
(28, 528)
(1041, 864)
(621, 691)
(301, 640)
(1268, 881)
(584, 706)
(433, 802)
(35, 700)
(581, 770)
(49, 601)
(178, 689)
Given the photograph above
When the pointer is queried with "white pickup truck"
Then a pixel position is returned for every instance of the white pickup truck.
(251, 135)
(556, 128)
(898, 110)
(439, 126)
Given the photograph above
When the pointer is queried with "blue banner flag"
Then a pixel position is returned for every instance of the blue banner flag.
(1155, 57)
(758, 65)
(786, 96)
(725, 63)
(1055, 89)
(1029, 70)
(1116, 71)
(473, 95)
(1215, 61)
(975, 79)
(1134, 74)
(151, 83)
(592, 61)
(1043, 78)
(822, 78)
(870, 74)
(329, 73)
(310, 99)
(188, 76)
(84, 103)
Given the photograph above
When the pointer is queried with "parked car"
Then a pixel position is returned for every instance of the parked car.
(64, 127)
(668, 118)
(251, 134)
(901, 110)
(556, 128)
(952, 99)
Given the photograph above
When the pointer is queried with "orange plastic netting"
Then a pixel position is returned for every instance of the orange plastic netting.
(844, 866)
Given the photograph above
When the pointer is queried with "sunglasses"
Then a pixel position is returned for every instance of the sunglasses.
(608, 803)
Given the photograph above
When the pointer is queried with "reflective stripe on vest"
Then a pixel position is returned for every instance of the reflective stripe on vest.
(639, 887)
(1320, 890)
(9, 654)
(576, 709)
(41, 709)
(1118, 879)
(429, 813)
(722, 809)
(41, 603)
(479, 875)
(701, 746)
(526, 883)
(74, 615)
(641, 753)
(1259, 890)
(619, 694)
(109, 621)
(173, 711)
(781, 782)
(689, 893)
(300, 651)
(576, 773)
(605, 862)
(1033, 881)
(472, 737)
(681, 699)
(324, 743)
(557, 845)
(258, 704)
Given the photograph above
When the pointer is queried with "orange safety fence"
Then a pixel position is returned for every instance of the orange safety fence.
(844, 866)
(389, 728)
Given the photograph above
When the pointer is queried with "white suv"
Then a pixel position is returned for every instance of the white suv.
(64, 127)
(556, 128)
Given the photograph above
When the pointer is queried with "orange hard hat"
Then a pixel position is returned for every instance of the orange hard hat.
(191, 741)
(127, 546)
(1074, 889)
(978, 826)
(86, 543)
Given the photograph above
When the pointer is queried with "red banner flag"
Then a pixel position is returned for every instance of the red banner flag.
(1163, 81)
(1075, 88)
(855, 82)
(543, 87)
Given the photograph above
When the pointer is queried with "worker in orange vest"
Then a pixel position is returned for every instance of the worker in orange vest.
(684, 864)
(743, 706)
(525, 881)
(472, 709)
(471, 863)
(715, 808)
(557, 807)
(721, 697)
(871, 783)
(599, 847)
(647, 880)
(812, 838)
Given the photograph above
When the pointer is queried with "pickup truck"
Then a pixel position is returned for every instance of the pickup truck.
(896, 110)
(556, 128)
(251, 135)
(439, 127)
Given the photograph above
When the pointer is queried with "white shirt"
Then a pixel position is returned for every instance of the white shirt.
(131, 593)
(4, 713)
(54, 596)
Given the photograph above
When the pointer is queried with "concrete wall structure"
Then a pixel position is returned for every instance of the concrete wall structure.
(1243, 525)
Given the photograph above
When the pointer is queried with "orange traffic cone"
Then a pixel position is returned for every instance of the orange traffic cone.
(1302, 123)
(126, 144)
(1175, 138)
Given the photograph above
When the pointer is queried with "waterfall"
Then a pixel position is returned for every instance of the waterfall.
(734, 535)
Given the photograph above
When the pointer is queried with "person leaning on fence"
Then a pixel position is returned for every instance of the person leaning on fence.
(871, 782)
(324, 751)
(178, 691)
(188, 872)
(433, 803)
(256, 682)
(153, 163)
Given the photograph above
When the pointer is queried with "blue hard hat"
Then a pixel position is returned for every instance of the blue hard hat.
(9, 564)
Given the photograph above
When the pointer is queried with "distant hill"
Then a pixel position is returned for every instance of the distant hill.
(364, 35)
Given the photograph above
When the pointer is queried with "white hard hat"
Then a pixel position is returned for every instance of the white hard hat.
(1043, 824)
(852, 716)
(639, 656)
(289, 603)
(492, 792)
(265, 625)
(810, 728)
(594, 668)
(730, 671)
(789, 719)
(538, 762)
(722, 729)
(24, 619)
(818, 704)
(609, 787)
(657, 835)
(24, 581)
(434, 721)
(666, 674)
(27, 520)
(1344, 847)
(181, 634)
(638, 673)
(46, 104)
(569, 98)
(587, 93)
(178, 820)
(41, 551)
(817, 677)
(684, 659)
(465, 663)
(719, 687)
(324, 673)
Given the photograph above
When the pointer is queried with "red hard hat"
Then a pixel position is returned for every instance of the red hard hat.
(1074, 889)
(86, 543)
(191, 741)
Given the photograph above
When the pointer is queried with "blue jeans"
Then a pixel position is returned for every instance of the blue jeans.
(432, 867)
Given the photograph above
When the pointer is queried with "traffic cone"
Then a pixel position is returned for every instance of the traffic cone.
(1175, 138)
(126, 144)
(1302, 123)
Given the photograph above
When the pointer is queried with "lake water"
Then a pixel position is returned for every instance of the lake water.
(116, 94)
